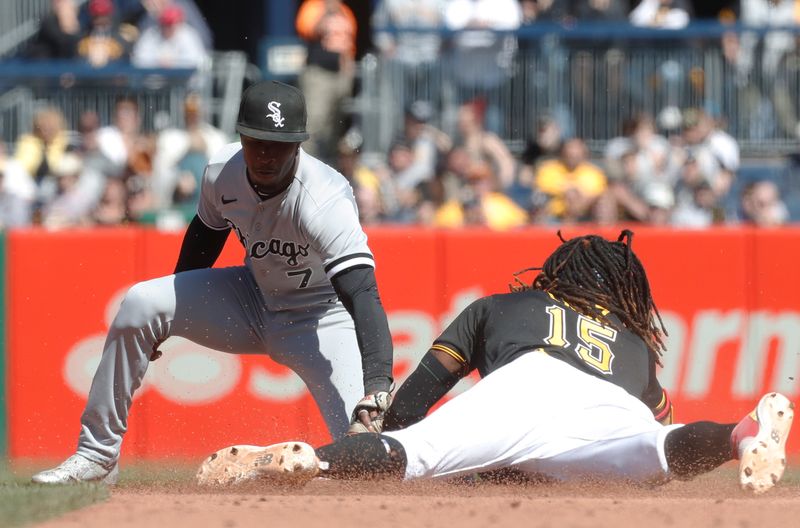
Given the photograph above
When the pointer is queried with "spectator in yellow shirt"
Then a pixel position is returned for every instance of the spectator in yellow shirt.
(570, 182)
(42, 149)
(481, 205)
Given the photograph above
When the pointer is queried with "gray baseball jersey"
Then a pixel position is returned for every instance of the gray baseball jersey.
(294, 242)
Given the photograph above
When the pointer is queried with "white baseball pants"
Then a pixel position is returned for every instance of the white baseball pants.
(541, 416)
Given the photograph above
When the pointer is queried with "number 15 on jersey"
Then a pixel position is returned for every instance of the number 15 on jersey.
(592, 339)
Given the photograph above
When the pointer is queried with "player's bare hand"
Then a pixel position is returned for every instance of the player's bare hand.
(369, 412)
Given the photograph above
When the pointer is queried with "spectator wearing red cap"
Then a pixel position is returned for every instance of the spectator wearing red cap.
(145, 14)
(105, 41)
(99, 8)
(173, 44)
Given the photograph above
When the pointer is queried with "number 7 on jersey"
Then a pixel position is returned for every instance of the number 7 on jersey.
(305, 273)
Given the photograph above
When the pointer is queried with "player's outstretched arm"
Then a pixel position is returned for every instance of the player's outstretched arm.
(201, 246)
(358, 291)
(435, 375)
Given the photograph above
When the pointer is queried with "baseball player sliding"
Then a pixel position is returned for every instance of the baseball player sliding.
(306, 294)
(568, 391)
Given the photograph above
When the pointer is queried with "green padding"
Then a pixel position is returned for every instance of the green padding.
(3, 349)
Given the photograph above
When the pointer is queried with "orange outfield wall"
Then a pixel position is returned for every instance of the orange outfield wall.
(728, 298)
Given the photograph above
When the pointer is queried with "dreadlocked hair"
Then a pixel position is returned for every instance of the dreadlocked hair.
(596, 276)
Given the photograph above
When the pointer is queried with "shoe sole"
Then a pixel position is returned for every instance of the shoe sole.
(289, 463)
(764, 460)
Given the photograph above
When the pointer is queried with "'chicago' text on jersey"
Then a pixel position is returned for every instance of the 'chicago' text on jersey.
(275, 246)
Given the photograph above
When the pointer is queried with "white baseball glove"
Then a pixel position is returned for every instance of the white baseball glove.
(368, 415)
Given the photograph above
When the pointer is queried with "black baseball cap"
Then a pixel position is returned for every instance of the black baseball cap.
(273, 111)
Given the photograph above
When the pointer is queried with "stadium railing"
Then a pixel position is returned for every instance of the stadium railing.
(591, 76)
(19, 21)
(77, 87)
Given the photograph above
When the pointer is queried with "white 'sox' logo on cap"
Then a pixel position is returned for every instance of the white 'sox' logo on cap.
(275, 108)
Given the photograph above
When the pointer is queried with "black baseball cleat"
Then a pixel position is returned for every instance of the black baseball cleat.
(289, 463)
(759, 442)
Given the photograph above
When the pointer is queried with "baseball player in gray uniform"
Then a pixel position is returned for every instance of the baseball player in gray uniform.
(306, 294)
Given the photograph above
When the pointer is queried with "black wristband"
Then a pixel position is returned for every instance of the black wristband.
(424, 387)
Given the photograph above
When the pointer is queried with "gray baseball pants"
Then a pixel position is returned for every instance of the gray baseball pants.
(222, 309)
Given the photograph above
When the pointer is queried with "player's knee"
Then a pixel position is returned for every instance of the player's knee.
(138, 306)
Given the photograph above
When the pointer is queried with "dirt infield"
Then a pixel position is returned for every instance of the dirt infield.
(711, 501)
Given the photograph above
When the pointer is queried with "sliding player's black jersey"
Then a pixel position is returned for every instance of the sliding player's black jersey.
(495, 330)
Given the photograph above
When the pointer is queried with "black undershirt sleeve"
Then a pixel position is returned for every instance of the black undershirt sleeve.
(652, 393)
(358, 291)
(656, 398)
(424, 387)
(201, 246)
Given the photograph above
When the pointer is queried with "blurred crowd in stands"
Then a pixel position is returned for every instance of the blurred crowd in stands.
(115, 173)
(683, 180)
(106, 175)
(146, 33)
